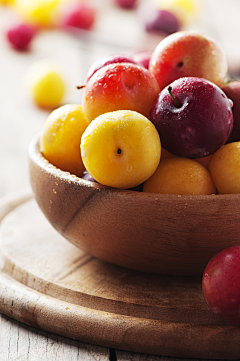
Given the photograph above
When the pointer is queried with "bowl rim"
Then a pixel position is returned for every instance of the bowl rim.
(38, 158)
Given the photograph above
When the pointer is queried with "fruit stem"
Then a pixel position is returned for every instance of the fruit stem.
(80, 86)
(177, 102)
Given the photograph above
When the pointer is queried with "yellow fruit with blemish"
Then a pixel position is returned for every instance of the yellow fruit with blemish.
(121, 149)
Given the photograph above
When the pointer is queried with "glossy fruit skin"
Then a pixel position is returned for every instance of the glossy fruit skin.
(79, 15)
(121, 149)
(185, 54)
(119, 86)
(224, 167)
(61, 136)
(232, 90)
(89, 178)
(106, 60)
(163, 21)
(202, 123)
(20, 36)
(178, 175)
(221, 284)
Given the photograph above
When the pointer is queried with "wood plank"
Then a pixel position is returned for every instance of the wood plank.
(24, 343)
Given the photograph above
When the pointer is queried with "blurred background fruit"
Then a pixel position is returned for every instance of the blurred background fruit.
(20, 36)
(7, 2)
(46, 84)
(185, 10)
(40, 13)
(78, 14)
(125, 4)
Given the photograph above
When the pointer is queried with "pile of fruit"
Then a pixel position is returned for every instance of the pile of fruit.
(170, 127)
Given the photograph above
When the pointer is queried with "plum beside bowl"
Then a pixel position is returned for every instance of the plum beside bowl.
(164, 234)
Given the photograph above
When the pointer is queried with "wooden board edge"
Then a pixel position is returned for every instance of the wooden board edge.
(116, 331)
(12, 200)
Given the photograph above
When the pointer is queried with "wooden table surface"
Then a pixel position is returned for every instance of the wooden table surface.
(20, 120)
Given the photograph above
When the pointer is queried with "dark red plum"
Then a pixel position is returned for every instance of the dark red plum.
(193, 117)
(232, 90)
(221, 284)
(163, 21)
(109, 59)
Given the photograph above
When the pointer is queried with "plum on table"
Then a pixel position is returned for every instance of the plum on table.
(221, 284)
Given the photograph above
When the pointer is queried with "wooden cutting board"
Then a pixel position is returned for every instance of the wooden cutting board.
(48, 283)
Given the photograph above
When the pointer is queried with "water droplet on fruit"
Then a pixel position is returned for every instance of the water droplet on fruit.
(129, 167)
(54, 191)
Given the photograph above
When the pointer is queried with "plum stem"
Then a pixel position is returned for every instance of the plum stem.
(80, 86)
(177, 102)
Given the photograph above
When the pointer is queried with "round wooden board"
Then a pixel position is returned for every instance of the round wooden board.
(48, 283)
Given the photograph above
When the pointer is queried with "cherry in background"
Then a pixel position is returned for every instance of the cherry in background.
(125, 4)
(20, 36)
(80, 15)
(162, 20)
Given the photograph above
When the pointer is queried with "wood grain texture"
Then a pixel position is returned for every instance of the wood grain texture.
(23, 343)
(158, 233)
(49, 284)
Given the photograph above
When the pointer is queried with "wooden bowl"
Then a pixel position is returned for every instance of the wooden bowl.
(164, 234)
